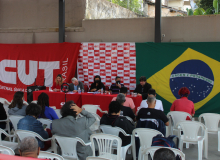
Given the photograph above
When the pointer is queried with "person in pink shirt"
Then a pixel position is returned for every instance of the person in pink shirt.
(128, 101)
(183, 104)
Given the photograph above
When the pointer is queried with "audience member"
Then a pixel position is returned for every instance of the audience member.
(125, 111)
(75, 85)
(183, 104)
(30, 123)
(164, 154)
(151, 112)
(69, 126)
(159, 104)
(3, 116)
(97, 85)
(17, 107)
(143, 87)
(115, 87)
(46, 111)
(58, 83)
(113, 118)
(29, 147)
(128, 101)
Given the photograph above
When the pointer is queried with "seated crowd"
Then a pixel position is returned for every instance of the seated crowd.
(76, 122)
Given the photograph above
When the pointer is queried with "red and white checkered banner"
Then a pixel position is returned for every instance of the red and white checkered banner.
(107, 60)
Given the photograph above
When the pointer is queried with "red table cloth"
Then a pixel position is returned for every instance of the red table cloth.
(58, 98)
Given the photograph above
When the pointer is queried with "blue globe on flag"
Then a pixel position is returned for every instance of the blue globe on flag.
(196, 75)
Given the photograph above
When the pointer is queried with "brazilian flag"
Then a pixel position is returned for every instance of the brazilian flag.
(170, 66)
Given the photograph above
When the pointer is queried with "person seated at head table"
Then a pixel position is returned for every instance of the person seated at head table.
(114, 119)
(143, 87)
(97, 85)
(17, 106)
(128, 101)
(70, 126)
(29, 147)
(115, 87)
(58, 83)
(46, 111)
(75, 85)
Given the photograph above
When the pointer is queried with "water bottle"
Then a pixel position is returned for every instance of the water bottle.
(79, 90)
(50, 89)
(102, 91)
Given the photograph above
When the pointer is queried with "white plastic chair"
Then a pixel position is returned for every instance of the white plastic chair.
(44, 121)
(14, 120)
(115, 131)
(92, 108)
(211, 122)
(48, 155)
(24, 133)
(191, 135)
(95, 126)
(58, 112)
(145, 135)
(106, 144)
(6, 105)
(6, 150)
(68, 146)
(12, 145)
(96, 158)
(152, 150)
(176, 117)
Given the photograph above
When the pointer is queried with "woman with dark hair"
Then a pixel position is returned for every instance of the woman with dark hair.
(46, 111)
(17, 107)
(57, 84)
(143, 87)
(183, 104)
(70, 126)
(30, 123)
(97, 85)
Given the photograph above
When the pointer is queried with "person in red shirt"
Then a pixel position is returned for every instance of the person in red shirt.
(183, 104)
(57, 84)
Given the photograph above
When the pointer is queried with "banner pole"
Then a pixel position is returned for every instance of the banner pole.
(157, 21)
(61, 21)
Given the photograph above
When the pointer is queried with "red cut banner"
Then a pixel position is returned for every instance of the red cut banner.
(21, 64)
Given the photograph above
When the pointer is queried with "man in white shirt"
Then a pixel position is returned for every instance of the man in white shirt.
(159, 104)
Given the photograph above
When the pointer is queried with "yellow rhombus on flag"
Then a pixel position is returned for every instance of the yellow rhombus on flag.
(160, 81)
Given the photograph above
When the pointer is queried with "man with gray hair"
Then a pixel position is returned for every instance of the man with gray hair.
(151, 112)
(75, 85)
(29, 147)
(125, 111)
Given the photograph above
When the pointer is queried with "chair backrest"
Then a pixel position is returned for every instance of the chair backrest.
(45, 121)
(58, 112)
(90, 108)
(48, 155)
(68, 146)
(23, 133)
(105, 145)
(5, 104)
(142, 133)
(5, 133)
(96, 158)
(211, 121)
(152, 150)
(6, 150)
(86, 88)
(107, 129)
(96, 124)
(14, 120)
(34, 102)
(191, 130)
(177, 116)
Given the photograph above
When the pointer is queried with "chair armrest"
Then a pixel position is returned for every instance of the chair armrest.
(4, 120)
(48, 139)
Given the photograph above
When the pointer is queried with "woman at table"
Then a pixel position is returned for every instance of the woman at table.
(57, 84)
(97, 85)
(46, 111)
(17, 107)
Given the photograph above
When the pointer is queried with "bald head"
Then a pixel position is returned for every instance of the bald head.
(29, 147)
(151, 101)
